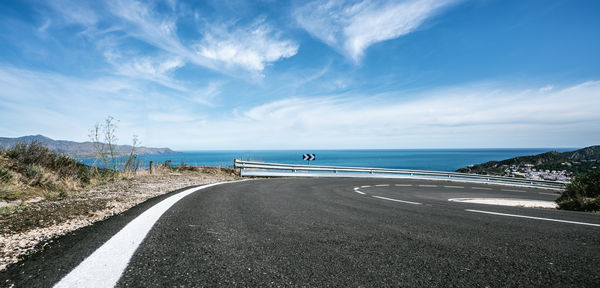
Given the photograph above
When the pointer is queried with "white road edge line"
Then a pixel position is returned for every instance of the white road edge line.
(513, 190)
(104, 267)
(454, 187)
(531, 217)
(382, 185)
(481, 188)
(396, 200)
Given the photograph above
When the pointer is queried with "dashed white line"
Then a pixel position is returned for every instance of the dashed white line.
(360, 192)
(403, 185)
(454, 187)
(382, 185)
(424, 185)
(366, 186)
(481, 188)
(531, 217)
(513, 190)
(396, 200)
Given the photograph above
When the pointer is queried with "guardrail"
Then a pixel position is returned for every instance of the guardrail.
(252, 168)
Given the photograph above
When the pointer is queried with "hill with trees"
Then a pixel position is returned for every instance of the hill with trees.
(545, 166)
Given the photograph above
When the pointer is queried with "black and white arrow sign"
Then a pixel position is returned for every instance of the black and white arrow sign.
(308, 157)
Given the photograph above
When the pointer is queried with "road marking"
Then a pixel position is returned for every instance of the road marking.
(382, 185)
(531, 217)
(104, 267)
(481, 188)
(513, 190)
(359, 192)
(543, 193)
(403, 185)
(428, 185)
(454, 187)
(356, 188)
(366, 186)
(396, 200)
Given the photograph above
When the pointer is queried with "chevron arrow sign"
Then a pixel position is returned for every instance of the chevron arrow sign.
(308, 157)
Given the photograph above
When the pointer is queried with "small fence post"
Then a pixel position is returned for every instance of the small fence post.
(151, 167)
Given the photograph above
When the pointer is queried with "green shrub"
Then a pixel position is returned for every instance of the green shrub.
(29, 158)
(582, 194)
(35, 175)
(31, 153)
(5, 175)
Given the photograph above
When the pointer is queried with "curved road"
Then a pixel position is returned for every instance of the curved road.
(342, 232)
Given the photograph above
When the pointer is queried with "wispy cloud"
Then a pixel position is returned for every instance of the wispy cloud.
(483, 115)
(250, 47)
(352, 26)
(207, 94)
(220, 47)
(464, 116)
(75, 12)
(53, 101)
(158, 69)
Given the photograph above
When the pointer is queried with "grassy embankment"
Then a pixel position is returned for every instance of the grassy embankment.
(30, 172)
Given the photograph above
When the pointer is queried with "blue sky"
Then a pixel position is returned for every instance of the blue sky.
(304, 74)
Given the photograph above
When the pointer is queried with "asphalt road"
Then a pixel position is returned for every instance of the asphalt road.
(324, 232)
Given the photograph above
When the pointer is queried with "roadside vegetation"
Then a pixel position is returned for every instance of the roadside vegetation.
(44, 194)
(30, 170)
(105, 145)
(582, 194)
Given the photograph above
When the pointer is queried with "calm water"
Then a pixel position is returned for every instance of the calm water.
(429, 159)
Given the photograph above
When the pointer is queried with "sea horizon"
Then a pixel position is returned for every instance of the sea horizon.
(435, 159)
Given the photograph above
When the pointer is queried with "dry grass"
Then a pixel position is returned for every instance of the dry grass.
(45, 194)
(30, 224)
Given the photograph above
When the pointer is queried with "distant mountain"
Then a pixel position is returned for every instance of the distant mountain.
(77, 149)
(550, 165)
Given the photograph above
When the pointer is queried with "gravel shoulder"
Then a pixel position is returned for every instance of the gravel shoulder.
(28, 229)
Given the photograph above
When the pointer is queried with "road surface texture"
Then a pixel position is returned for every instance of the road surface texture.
(344, 233)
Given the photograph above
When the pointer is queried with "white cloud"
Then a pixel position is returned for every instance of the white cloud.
(64, 107)
(207, 94)
(170, 117)
(250, 47)
(546, 88)
(44, 26)
(485, 115)
(222, 48)
(158, 69)
(466, 116)
(75, 12)
(352, 26)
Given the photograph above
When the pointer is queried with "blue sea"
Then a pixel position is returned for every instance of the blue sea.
(421, 159)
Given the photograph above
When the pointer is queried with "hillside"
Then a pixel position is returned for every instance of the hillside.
(549, 166)
(76, 149)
